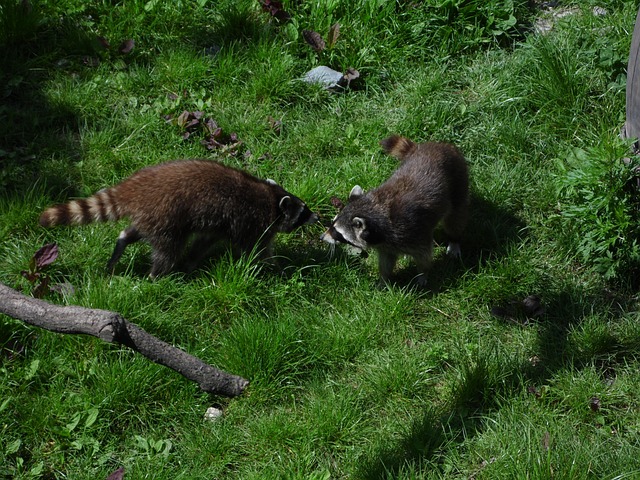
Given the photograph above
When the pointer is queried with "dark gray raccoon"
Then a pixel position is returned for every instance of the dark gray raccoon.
(170, 203)
(399, 217)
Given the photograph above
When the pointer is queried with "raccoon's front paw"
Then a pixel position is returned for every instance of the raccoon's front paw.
(420, 280)
(453, 250)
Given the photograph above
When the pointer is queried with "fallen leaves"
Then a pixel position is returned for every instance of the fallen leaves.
(337, 203)
(275, 9)
(126, 47)
(314, 40)
(196, 123)
(523, 311)
(117, 474)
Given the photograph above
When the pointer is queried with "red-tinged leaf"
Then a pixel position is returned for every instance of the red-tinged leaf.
(126, 46)
(168, 118)
(41, 290)
(334, 33)
(211, 143)
(197, 114)
(183, 118)
(217, 133)
(104, 43)
(594, 404)
(46, 255)
(233, 138)
(314, 40)
(192, 123)
(186, 135)
(210, 125)
(337, 203)
(282, 16)
(30, 276)
(274, 7)
(117, 475)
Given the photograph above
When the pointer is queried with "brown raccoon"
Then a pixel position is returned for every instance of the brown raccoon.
(399, 217)
(167, 204)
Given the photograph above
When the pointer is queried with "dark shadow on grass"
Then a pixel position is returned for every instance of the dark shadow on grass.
(492, 376)
(32, 51)
(35, 49)
(430, 437)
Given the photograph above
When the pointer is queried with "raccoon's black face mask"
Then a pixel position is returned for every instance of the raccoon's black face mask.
(294, 214)
(352, 226)
(359, 232)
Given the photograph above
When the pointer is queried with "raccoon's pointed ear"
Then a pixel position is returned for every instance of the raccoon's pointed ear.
(285, 203)
(271, 181)
(356, 192)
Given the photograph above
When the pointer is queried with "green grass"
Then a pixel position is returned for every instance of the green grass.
(347, 380)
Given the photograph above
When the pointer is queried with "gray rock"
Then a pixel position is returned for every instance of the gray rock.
(325, 76)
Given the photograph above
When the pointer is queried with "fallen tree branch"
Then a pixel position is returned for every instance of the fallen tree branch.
(113, 328)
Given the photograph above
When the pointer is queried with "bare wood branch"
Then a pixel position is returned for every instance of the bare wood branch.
(113, 328)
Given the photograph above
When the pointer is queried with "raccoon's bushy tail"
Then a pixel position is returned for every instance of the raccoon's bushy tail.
(99, 207)
(397, 146)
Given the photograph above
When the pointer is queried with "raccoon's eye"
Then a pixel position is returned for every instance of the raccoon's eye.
(357, 223)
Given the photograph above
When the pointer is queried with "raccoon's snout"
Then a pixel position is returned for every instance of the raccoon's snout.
(333, 236)
(312, 219)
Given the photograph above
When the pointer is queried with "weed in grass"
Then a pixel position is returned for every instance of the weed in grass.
(599, 210)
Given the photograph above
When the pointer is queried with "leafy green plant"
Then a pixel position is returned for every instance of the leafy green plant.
(599, 207)
(458, 25)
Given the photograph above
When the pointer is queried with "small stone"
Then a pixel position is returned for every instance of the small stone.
(325, 76)
(213, 414)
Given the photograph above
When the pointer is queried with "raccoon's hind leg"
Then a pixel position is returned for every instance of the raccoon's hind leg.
(128, 236)
(454, 224)
(201, 248)
(166, 253)
(423, 262)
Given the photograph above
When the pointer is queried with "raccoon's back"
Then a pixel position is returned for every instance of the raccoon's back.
(183, 194)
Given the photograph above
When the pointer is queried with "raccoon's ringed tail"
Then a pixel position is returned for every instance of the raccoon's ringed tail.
(397, 146)
(97, 208)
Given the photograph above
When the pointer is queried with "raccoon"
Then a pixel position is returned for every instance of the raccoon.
(399, 217)
(170, 203)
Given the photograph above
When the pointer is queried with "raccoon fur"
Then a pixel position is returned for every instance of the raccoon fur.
(431, 185)
(200, 200)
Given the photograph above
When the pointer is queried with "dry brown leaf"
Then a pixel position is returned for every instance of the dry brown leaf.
(334, 33)
(314, 40)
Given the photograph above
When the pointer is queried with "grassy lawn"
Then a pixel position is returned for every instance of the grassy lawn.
(465, 379)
